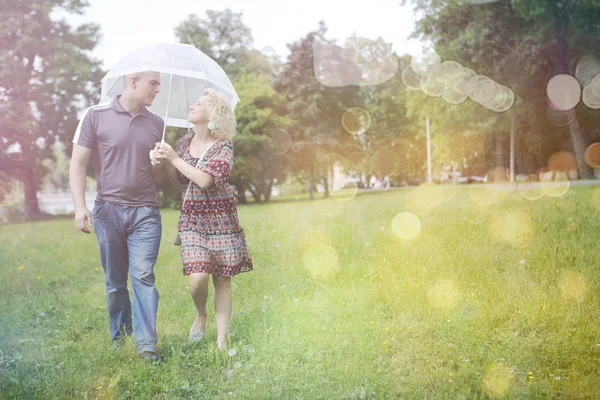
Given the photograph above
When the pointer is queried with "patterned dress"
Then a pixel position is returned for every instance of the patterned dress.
(212, 240)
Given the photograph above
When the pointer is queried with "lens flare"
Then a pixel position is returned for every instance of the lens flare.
(426, 62)
(563, 161)
(590, 98)
(514, 227)
(592, 155)
(485, 200)
(531, 190)
(432, 85)
(426, 198)
(573, 286)
(356, 120)
(281, 141)
(498, 380)
(411, 79)
(556, 183)
(406, 225)
(444, 295)
(588, 66)
(321, 261)
(564, 92)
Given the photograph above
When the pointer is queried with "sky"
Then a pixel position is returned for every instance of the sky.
(130, 24)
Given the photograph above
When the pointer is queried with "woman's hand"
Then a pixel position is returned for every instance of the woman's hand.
(165, 153)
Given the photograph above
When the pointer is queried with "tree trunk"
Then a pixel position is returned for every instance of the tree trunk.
(267, 192)
(32, 207)
(240, 193)
(499, 153)
(563, 26)
(24, 172)
(499, 174)
(255, 194)
(585, 172)
(311, 184)
(360, 179)
(326, 185)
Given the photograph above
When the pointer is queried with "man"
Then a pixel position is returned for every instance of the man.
(126, 217)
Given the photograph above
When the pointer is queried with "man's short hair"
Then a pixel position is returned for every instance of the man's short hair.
(136, 75)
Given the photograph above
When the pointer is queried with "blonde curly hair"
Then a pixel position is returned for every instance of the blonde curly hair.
(221, 113)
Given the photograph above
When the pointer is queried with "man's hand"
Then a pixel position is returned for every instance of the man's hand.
(166, 153)
(81, 217)
(155, 162)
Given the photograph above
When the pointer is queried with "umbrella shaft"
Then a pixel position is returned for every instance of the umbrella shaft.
(168, 102)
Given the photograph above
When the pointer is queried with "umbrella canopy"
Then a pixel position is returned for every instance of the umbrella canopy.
(185, 73)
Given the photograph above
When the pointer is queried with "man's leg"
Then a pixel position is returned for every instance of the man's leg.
(143, 244)
(112, 243)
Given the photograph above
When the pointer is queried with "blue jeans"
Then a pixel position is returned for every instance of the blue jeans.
(129, 239)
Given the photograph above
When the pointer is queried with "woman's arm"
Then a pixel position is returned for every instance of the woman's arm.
(173, 163)
(200, 178)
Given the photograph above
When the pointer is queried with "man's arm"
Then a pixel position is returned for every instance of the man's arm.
(158, 173)
(77, 173)
(172, 175)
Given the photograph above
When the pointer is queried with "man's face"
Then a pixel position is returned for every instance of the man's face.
(147, 87)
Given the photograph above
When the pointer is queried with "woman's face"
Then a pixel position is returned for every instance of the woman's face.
(199, 111)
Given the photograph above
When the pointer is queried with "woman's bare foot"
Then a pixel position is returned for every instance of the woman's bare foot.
(199, 324)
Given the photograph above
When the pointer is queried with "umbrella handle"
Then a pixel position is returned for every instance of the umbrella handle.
(153, 154)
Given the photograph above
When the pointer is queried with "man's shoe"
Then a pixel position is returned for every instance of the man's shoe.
(150, 356)
(118, 343)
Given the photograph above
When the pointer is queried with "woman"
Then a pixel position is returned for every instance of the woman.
(212, 241)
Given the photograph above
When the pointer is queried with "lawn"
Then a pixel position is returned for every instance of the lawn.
(433, 292)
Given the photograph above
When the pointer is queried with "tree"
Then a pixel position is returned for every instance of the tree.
(452, 123)
(47, 75)
(224, 37)
(520, 44)
(315, 109)
(573, 27)
(5, 186)
(261, 160)
(394, 145)
(58, 168)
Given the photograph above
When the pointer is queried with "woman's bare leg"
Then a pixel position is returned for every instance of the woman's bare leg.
(199, 292)
(223, 305)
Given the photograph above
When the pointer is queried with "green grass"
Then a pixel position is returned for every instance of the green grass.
(497, 296)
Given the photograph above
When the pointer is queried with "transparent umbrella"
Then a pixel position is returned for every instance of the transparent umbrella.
(185, 73)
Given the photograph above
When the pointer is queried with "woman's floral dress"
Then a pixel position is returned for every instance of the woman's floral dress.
(212, 240)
